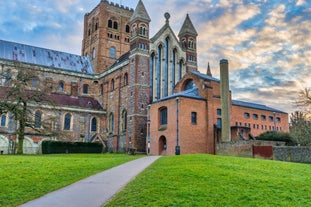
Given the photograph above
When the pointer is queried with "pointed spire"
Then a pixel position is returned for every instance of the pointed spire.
(140, 13)
(208, 72)
(187, 28)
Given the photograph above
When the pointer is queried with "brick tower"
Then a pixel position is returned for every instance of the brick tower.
(139, 84)
(188, 37)
(106, 34)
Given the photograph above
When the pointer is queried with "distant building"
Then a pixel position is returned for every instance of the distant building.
(125, 89)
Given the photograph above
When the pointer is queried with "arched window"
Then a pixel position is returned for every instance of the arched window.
(110, 23)
(163, 116)
(94, 125)
(7, 78)
(112, 84)
(112, 52)
(3, 120)
(142, 31)
(67, 121)
(96, 24)
(85, 88)
(126, 79)
(189, 85)
(61, 86)
(124, 120)
(93, 53)
(35, 83)
(127, 29)
(38, 119)
(111, 123)
(115, 25)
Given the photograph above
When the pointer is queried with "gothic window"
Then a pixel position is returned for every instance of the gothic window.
(94, 125)
(191, 44)
(93, 53)
(96, 24)
(7, 78)
(142, 31)
(115, 25)
(67, 121)
(85, 88)
(194, 117)
(163, 116)
(112, 84)
(127, 29)
(112, 52)
(111, 123)
(38, 119)
(110, 23)
(189, 84)
(124, 120)
(3, 120)
(61, 86)
(126, 81)
(180, 70)
(35, 83)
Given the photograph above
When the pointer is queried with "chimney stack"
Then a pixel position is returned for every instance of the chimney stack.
(225, 101)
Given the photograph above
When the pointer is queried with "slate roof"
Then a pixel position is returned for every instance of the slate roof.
(121, 59)
(45, 57)
(205, 77)
(140, 13)
(190, 93)
(187, 27)
(61, 99)
(256, 106)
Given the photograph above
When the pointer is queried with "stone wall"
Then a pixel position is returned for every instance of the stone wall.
(292, 154)
(242, 148)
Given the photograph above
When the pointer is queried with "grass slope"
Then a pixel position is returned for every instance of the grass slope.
(25, 177)
(207, 180)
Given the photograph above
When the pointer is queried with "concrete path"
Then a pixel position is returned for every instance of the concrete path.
(95, 190)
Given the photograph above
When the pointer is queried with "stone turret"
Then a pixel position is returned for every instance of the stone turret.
(188, 37)
(139, 78)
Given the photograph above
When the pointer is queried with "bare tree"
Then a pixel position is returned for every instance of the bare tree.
(304, 99)
(20, 94)
(301, 128)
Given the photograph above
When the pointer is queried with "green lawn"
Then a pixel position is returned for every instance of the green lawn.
(207, 180)
(25, 177)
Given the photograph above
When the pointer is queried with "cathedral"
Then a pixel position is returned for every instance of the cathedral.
(129, 90)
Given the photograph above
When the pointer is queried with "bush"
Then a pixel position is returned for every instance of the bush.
(277, 136)
(57, 147)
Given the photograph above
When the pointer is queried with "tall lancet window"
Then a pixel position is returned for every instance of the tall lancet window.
(173, 69)
(151, 76)
(165, 88)
(159, 68)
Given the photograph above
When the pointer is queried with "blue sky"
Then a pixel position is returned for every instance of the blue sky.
(267, 42)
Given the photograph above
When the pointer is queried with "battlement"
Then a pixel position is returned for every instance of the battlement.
(111, 4)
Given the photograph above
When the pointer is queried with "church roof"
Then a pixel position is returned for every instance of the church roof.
(204, 76)
(190, 93)
(187, 27)
(45, 57)
(255, 106)
(140, 13)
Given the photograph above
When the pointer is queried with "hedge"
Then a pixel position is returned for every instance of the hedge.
(277, 136)
(57, 147)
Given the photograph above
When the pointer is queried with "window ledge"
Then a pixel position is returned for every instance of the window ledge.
(163, 127)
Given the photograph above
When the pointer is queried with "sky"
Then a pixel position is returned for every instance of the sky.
(267, 42)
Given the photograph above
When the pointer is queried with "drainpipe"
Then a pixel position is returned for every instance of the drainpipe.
(177, 148)
(148, 131)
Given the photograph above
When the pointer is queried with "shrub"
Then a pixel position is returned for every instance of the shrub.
(277, 136)
(57, 147)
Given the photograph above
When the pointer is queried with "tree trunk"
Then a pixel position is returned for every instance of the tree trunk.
(21, 130)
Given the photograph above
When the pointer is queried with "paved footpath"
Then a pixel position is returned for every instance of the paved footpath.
(96, 190)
